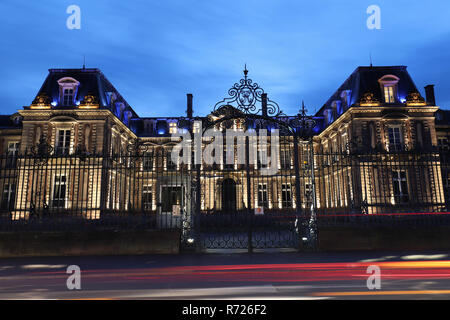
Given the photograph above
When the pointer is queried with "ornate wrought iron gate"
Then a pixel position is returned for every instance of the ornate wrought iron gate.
(237, 204)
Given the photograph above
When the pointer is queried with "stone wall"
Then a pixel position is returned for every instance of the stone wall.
(26, 244)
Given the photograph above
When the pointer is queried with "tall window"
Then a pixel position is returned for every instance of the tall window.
(63, 142)
(400, 186)
(8, 196)
(286, 195)
(196, 127)
(13, 151)
(13, 148)
(59, 191)
(67, 91)
(389, 94)
(170, 164)
(147, 198)
(344, 143)
(308, 191)
(262, 195)
(389, 87)
(68, 97)
(172, 127)
(227, 165)
(395, 138)
(443, 143)
(148, 161)
(285, 159)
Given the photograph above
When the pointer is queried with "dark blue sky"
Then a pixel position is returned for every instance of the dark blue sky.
(154, 52)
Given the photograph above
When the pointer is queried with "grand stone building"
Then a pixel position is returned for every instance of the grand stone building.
(375, 146)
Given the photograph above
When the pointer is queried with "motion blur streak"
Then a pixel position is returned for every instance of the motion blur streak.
(423, 275)
(297, 272)
(381, 293)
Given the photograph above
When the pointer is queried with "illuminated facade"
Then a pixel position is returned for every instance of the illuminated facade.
(81, 148)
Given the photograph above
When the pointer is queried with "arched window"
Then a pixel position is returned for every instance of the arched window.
(67, 91)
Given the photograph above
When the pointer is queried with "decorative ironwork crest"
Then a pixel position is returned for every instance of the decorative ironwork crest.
(245, 95)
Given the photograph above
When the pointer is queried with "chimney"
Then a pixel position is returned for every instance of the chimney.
(189, 110)
(264, 104)
(429, 92)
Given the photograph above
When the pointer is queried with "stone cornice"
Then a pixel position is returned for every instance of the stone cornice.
(33, 115)
(355, 110)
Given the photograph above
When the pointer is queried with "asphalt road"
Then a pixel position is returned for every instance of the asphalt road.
(404, 275)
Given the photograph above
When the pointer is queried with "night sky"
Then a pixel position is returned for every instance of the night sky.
(154, 52)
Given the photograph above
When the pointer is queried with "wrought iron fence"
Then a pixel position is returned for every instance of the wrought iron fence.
(147, 191)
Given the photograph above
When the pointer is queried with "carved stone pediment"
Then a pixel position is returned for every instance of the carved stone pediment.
(64, 117)
(42, 100)
(368, 98)
(415, 98)
(89, 100)
(394, 114)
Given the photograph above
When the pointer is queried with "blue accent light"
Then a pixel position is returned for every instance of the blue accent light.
(54, 103)
(330, 117)
(77, 103)
(161, 131)
(339, 108)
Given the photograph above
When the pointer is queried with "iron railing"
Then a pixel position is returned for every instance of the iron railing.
(132, 191)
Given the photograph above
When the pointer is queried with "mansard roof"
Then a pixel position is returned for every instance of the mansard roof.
(365, 79)
(10, 122)
(442, 117)
(92, 82)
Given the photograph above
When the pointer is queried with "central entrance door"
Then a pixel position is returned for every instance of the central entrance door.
(228, 196)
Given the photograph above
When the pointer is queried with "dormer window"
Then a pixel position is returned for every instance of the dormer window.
(336, 108)
(196, 127)
(345, 96)
(328, 115)
(173, 127)
(389, 94)
(67, 97)
(388, 85)
(67, 91)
